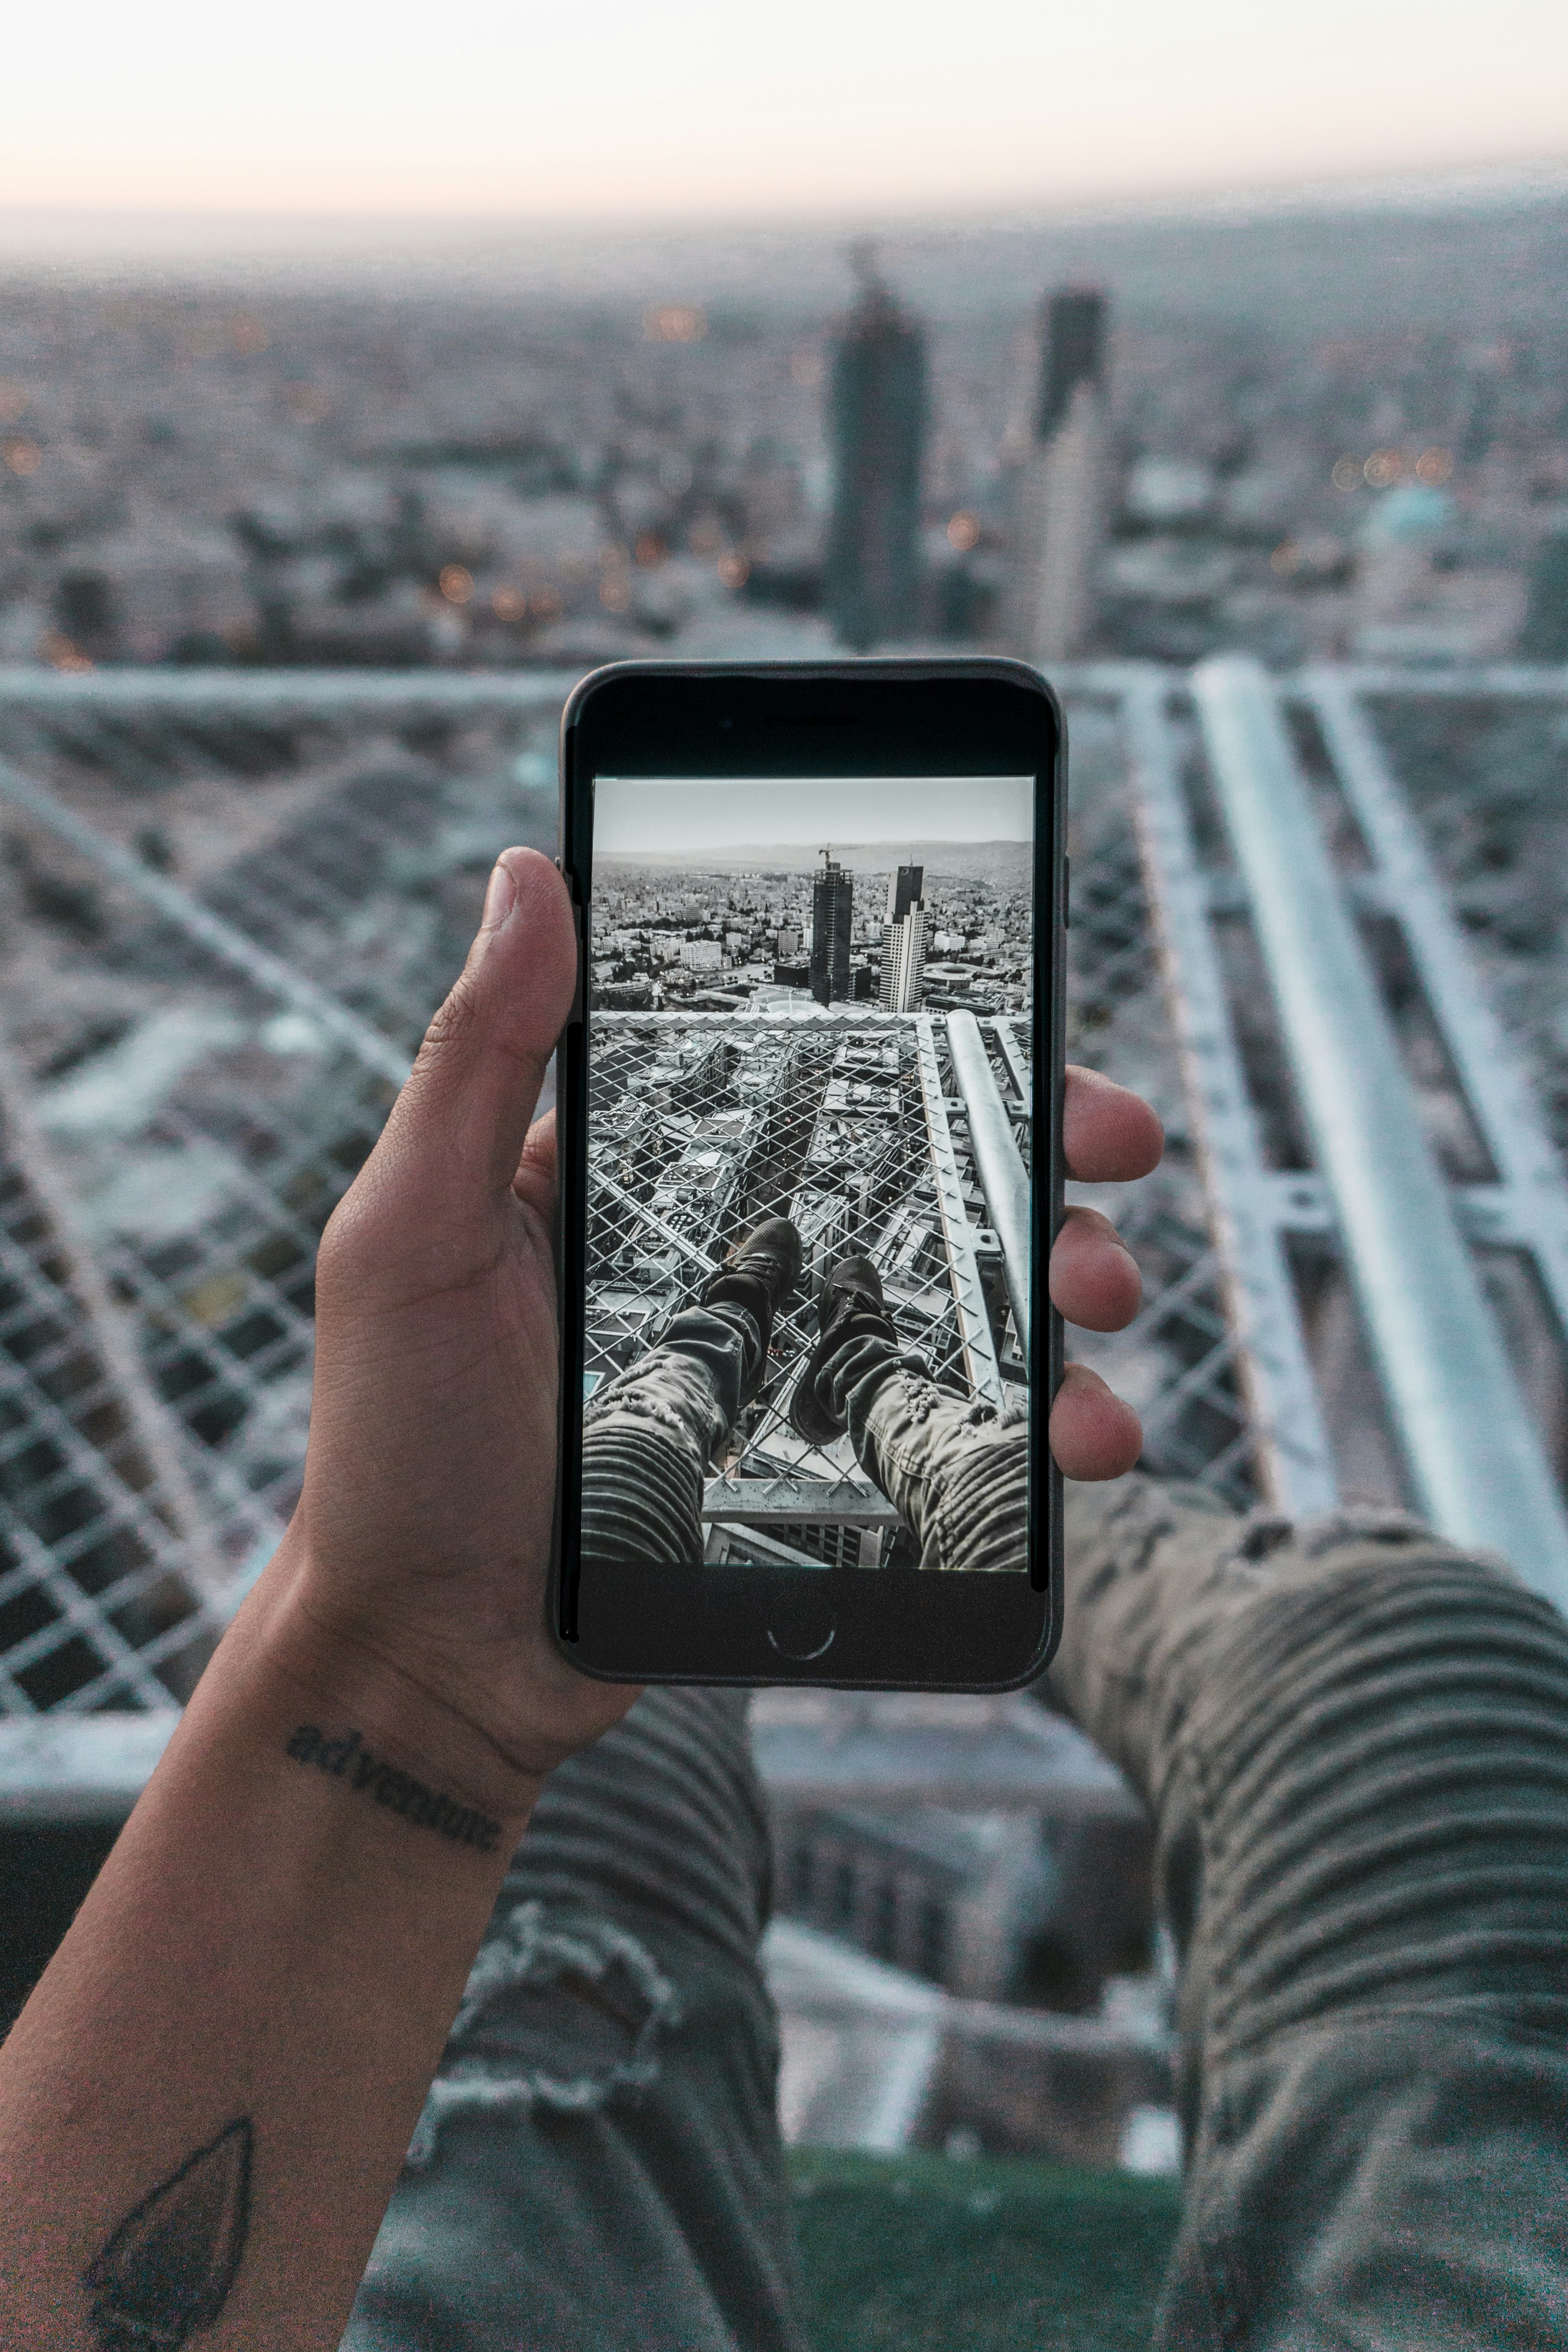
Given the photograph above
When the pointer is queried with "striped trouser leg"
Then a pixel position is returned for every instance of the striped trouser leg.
(956, 1474)
(647, 1440)
(642, 1495)
(1354, 1742)
(598, 2163)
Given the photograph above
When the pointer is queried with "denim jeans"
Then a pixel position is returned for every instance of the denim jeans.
(1353, 1742)
(599, 2167)
(956, 1473)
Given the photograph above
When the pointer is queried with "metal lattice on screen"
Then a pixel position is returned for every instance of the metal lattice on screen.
(853, 1125)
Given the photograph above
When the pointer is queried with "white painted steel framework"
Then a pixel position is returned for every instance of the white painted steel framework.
(1473, 1456)
(1294, 1465)
(1527, 1204)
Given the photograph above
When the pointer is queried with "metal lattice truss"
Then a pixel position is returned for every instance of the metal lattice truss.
(228, 905)
(198, 1061)
(1384, 1192)
(1183, 1361)
(859, 1127)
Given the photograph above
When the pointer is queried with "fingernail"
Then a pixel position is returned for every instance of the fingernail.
(500, 896)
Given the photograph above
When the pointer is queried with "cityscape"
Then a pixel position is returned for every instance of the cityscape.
(272, 472)
(774, 1036)
(771, 939)
(295, 577)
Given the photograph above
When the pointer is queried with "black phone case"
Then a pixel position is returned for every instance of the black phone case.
(633, 1642)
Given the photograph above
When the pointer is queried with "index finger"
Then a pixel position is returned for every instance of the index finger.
(1109, 1134)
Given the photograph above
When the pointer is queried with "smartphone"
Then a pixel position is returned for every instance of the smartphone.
(809, 1121)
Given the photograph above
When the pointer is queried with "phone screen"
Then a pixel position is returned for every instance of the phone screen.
(809, 1137)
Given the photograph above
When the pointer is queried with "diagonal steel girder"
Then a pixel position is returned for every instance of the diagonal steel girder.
(222, 939)
(1471, 1452)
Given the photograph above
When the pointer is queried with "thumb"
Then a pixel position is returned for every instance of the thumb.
(465, 1110)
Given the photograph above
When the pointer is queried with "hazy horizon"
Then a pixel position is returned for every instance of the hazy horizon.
(700, 111)
(972, 860)
(684, 817)
(48, 230)
(728, 852)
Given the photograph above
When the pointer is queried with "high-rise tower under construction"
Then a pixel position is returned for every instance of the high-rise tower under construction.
(833, 913)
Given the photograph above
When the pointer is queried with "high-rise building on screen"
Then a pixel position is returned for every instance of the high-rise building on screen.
(1062, 485)
(903, 941)
(833, 913)
(877, 416)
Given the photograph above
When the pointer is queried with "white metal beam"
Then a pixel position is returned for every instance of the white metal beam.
(969, 1291)
(1530, 1206)
(1472, 1455)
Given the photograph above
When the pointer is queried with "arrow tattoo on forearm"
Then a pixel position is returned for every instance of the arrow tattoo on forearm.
(167, 2270)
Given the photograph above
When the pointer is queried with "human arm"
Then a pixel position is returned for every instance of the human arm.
(268, 1964)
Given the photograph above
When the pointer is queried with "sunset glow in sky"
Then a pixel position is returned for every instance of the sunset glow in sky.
(692, 108)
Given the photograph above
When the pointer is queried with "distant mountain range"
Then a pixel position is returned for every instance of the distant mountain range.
(972, 861)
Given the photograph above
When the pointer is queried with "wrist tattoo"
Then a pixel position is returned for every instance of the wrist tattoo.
(347, 1758)
(167, 2268)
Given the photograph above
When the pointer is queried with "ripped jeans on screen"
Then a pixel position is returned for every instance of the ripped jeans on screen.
(957, 1474)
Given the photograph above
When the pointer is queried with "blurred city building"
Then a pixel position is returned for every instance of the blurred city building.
(1544, 637)
(1063, 483)
(468, 481)
(878, 403)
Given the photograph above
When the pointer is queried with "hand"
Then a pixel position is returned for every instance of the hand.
(425, 1523)
(1109, 1136)
(418, 1558)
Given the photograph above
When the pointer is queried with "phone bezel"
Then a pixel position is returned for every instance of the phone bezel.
(977, 717)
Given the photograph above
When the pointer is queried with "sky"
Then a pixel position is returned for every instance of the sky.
(708, 108)
(664, 817)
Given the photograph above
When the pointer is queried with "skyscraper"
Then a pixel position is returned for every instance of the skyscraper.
(903, 941)
(832, 910)
(1544, 637)
(1061, 488)
(877, 418)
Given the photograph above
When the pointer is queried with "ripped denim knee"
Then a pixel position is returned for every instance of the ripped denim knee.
(564, 2011)
(667, 1391)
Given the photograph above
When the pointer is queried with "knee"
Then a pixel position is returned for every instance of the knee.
(1382, 1745)
(982, 1520)
(641, 1490)
(1376, 1617)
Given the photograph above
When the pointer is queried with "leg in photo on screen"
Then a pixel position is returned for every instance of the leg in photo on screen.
(956, 1473)
(649, 1436)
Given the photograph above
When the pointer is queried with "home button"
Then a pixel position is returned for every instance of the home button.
(801, 1626)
